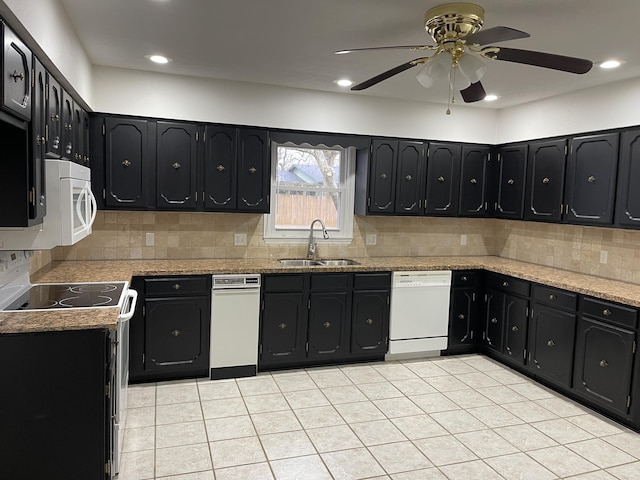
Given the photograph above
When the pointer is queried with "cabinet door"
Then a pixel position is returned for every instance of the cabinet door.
(283, 329)
(254, 169)
(220, 168)
(68, 120)
(16, 74)
(54, 118)
(512, 163)
(86, 135)
(37, 204)
(628, 196)
(176, 165)
(382, 174)
(516, 311)
(604, 363)
(411, 157)
(462, 318)
(128, 165)
(591, 179)
(327, 334)
(494, 320)
(177, 335)
(545, 180)
(443, 179)
(370, 322)
(551, 341)
(473, 181)
(78, 134)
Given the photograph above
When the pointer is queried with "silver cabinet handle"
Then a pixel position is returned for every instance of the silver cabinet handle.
(17, 76)
(551, 343)
(494, 320)
(176, 286)
(606, 312)
(464, 278)
(604, 363)
(552, 297)
(511, 181)
(220, 168)
(282, 326)
(383, 176)
(369, 321)
(514, 328)
(591, 179)
(408, 178)
(326, 324)
(252, 170)
(473, 181)
(126, 163)
(441, 179)
(545, 180)
(176, 165)
(461, 316)
(505, 284)
(175, 333)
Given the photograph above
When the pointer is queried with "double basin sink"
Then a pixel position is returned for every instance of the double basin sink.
(303, 262)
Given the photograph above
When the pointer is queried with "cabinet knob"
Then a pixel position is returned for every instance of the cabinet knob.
(175, 333)
(461, 316)
(441, 179)
(464, 278)
(545, 180)
(409, 178)
(494, 320)
(514, 328)
(252, 170)
(176, 165)
(176, 286)
(604, 363)
(326, 324)
(383, 176)
(17, 76)
(55, 117)
(591, 179)
(552, 296)
(126, 163)
(505, 284)
(606, 312)
(220, 168)
(473, 181)
(551, 343)
(282, 326)
(511, 181)
(369, 321)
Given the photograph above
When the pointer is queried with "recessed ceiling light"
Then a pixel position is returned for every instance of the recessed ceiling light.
(158, 59)
(490, 98)
(610, 64)
(343, 82)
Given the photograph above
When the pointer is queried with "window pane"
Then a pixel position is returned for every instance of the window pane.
(296, 210)
(309, 167)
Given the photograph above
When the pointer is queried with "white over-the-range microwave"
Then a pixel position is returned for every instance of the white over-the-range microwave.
(71, 210)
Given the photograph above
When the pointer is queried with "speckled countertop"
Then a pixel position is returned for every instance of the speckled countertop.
(120, 270)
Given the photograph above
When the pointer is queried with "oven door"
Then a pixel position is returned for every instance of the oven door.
(77, 209)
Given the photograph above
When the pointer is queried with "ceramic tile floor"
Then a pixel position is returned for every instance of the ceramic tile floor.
(463, 417)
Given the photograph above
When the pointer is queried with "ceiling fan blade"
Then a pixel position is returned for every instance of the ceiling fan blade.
(393, 47)
(545, 60)
(473, 93)
(494, 35)
(388, 74)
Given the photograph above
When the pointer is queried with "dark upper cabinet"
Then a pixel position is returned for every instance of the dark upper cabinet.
(80, 137)
(382, 174)
(591, 179)
(128, 163)
(37, 132)
(283, 328)
(176, 168)
(628, 193)
(254, 167)
(410, 176)
(512, 164)
(16, 75)
(54, 118)
(545, 180)
(68, 126)
(220, 168)
(443, 179)
(474, 181)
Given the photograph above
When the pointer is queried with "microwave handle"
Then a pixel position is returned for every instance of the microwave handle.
(82, 215)
(94, 207)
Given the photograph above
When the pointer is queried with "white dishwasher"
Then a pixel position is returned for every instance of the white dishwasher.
(419, 317)
(235, 318)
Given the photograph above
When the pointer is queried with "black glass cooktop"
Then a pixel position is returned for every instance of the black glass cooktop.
(48, 296)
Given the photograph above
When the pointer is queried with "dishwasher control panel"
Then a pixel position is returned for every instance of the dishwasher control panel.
(235, 281)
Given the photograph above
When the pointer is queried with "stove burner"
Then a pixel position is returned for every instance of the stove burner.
(93, 287)
(79, 301)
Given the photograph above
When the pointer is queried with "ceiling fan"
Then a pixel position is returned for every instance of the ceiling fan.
(460, 45)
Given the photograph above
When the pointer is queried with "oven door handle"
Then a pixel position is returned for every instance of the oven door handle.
(133, 295)
(94, 208)
(82, 216)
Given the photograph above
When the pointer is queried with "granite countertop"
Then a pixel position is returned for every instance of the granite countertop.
(124, 270)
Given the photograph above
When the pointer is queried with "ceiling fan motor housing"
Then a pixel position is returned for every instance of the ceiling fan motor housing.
(453, 21)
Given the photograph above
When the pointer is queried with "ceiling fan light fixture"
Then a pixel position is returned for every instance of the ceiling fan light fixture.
(472, 68)
(491, 98)
(435, 69)
(609, 64)
(160, 59)
(343, 82)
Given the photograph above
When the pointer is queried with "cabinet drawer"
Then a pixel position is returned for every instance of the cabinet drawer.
(555, 297)
(283, 283)
(172, 286)
(465, 278)
(330, 282)
(508, 284)
(610, 312)
(371, 281)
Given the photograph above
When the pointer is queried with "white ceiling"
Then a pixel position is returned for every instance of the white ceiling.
(291, 42)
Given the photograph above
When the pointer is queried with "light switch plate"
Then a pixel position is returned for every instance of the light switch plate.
(463, 239)
(240, 239)
(604, 256)
(149, 239)
(371, 239)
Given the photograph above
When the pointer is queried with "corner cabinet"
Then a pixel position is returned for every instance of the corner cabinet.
(464, 313)
(628, 195)
(169, 335)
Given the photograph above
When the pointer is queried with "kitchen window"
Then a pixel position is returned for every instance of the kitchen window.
(308, 182)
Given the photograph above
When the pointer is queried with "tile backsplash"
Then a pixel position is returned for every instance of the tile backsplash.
(122, 235)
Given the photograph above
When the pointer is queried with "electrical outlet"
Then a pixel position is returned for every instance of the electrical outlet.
(149, 239)
(604, 255)
(463, 239)
(371, 239)
(240, 239)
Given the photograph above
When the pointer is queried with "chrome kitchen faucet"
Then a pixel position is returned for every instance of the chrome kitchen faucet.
(311, 252)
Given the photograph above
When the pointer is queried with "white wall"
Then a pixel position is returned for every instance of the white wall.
(135, 92)
(48, 24)
(599, 108)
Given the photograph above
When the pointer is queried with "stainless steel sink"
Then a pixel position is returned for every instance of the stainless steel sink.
(303, 262)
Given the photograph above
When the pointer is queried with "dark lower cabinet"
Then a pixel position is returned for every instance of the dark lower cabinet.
(283, 329)
(464, 312)
(170, 333)
(56, 407)
(516, 320)
(370, 322)
(493, 330)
